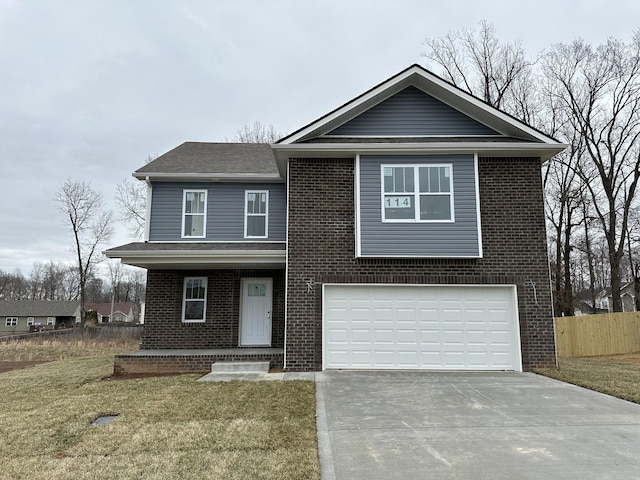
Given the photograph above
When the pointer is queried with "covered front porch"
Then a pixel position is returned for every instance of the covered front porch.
(206, 303)
(166, 361)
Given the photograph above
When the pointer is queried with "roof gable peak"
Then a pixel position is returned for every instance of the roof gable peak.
(434, 86)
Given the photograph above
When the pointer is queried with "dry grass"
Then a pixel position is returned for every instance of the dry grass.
(80, 343)
(167, 427)
(617, 375)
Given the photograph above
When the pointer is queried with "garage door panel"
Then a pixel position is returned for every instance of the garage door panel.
(420, 327)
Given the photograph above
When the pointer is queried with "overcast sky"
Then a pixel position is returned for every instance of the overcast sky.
(89, 89)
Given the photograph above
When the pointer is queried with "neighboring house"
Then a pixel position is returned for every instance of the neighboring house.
(627, 295)
(583, 303)
(403, 230)
(122, 312)
(19, 315)
(604, 299)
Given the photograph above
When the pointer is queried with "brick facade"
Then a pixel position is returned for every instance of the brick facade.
(321, 247)
(164, 329)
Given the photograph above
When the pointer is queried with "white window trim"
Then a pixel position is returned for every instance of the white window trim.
(184, 299)
(9, 322)
(184, 214)
(416, 193)
(31, 321)
(51, 321)
(247, 214)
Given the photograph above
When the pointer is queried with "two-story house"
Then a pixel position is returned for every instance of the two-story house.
(403, 230)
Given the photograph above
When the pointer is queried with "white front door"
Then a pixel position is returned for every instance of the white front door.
(255, 312)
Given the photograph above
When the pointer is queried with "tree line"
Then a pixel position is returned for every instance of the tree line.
(56, 281)
(587, 97)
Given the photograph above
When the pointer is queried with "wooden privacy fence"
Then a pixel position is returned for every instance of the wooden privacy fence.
(604, 334)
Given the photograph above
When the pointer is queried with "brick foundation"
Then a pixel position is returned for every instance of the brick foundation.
(136, 363)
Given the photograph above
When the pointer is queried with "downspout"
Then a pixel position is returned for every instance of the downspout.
(147, 215)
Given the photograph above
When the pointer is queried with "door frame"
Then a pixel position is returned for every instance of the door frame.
(243, 282)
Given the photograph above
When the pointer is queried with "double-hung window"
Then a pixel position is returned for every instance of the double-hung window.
(194, 214)
(194, 299)
(256, 210)
(30, 321)
(51, 320)
(417, 193)
(11, 322)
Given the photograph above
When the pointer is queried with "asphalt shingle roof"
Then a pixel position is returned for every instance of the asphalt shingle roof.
(37, 308)
(212, 158)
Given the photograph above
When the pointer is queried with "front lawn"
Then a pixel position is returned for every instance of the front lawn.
(166, 428)
(617, 375)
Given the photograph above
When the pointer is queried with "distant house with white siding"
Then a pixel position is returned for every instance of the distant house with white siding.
(122, 312)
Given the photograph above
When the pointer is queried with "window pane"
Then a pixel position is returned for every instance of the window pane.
(198, 206)
(387, 174)
(194, 202)
(194, 225)
(256, 203)
(398, 180)
(399, 207)
(434, 179)
(445, 179)
(194, 310)
(256, 226)
(435, 207)
(409, 179)
(251, 199)
(195, 289)
(423, 174)
(257, 290)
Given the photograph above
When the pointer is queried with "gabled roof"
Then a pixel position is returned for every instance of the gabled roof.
(38, 308)
(201, 161)
(522, 139)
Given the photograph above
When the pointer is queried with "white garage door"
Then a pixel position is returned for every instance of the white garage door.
(420, 327)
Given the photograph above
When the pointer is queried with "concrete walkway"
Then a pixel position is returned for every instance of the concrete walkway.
(404, 425)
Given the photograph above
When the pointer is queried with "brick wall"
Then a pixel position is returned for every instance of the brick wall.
(165, 330)
(321, 246)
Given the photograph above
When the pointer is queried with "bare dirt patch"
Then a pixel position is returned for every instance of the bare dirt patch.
(8, 366)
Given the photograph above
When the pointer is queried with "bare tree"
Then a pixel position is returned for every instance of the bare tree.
(115, 275)
(479, 63)
(13, 286)
(131, 199)
(600, 90)
(257, 133)
(90, 225)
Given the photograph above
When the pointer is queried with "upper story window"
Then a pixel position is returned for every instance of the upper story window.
(256, 212)
(194, 299)
(194, 214)
(417, 193)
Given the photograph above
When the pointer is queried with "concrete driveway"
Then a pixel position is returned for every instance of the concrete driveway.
(405, 425)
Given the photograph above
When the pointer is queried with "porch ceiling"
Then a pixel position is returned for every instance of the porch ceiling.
(201, 255)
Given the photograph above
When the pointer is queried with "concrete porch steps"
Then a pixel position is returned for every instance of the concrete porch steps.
(240, 367)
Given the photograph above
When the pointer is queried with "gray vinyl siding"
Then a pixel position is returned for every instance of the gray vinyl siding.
(393, 239)
(225, 211)
(411, 112)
